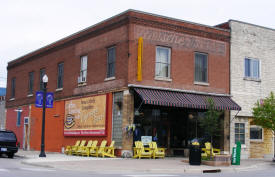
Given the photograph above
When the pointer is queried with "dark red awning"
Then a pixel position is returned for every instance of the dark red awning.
(186, 100)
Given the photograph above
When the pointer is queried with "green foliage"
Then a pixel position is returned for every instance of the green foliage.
(264, 112)
(205, 158)
(210, 123)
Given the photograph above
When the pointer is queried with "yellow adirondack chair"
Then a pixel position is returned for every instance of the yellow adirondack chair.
(143, 152)
(99, 150)
(108, 151)
(68, 149)
(207, 150)
(136, 149)
(83, 148)
(157, 152)
(86, 151)
(75, 148)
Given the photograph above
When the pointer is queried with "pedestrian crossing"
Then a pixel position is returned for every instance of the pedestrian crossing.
(26, 169)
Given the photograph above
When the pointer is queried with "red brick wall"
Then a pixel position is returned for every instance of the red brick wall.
(95, 48)
(183, 48)
(12, 119)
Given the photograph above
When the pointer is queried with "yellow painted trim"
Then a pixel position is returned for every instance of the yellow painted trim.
(139, 62)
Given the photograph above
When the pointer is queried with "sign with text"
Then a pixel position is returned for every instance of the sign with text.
(85, 116)
(39, 99)
(146, 140)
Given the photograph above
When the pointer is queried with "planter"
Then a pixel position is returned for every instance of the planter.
(219, 160)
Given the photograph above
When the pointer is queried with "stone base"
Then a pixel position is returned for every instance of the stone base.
(219, 160)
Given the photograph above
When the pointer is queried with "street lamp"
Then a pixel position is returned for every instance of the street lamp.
(45, 81)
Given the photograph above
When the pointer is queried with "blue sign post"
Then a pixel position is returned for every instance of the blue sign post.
(39, 99)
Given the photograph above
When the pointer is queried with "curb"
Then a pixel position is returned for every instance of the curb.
(36, 165)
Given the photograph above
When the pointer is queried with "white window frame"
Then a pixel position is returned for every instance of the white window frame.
(257, 140)
(251, 70)
(109, 76)
(239, 133)
(83, 71)
(169, 64)
(201, 82)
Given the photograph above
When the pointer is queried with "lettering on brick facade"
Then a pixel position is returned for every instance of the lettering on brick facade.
(181, 40)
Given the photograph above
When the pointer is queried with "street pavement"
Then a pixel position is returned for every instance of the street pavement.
(168, 165)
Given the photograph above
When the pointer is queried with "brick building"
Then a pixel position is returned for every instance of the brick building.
(135, 69)
(252, 78)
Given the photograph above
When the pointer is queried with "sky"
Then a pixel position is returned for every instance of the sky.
(27, 25)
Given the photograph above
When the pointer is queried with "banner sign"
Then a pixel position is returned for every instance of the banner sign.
(85, 116)
(39, 99)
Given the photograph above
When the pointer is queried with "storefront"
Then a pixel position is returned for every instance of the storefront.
(172, 118)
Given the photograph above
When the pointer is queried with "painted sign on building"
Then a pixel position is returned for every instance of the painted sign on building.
(85, 116)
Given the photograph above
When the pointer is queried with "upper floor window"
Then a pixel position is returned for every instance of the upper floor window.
(240, 132)
(252, 68)
(42, 73)
(13, 87)
(60, 71)
(163, 57)
(111, 59)
(31, 78)
(201, 65)
(83, 69)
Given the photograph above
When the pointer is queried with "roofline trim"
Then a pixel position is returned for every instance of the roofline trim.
(231, 20)
(108, 19)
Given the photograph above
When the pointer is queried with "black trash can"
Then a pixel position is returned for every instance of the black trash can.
(195, 155)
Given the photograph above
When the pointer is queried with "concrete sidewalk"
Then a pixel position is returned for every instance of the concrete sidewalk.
(119, 165)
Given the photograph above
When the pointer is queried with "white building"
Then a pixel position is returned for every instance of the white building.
(252, 74)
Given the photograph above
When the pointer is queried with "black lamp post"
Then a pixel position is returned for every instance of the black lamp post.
(42, 151)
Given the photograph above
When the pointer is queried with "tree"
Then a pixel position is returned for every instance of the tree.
(264, 113)
(210, 123)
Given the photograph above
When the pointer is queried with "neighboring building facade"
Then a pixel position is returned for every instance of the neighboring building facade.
(252, 79)
(133, 70)
(2, 108)
(2, 112)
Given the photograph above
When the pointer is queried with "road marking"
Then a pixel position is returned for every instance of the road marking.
(36, 169)
(4, 170)
(149, 175)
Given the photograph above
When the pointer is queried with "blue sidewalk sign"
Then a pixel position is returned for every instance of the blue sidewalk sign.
(39, 100)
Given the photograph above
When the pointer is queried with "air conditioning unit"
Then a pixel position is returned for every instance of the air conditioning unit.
(81, 79)
(26, 120)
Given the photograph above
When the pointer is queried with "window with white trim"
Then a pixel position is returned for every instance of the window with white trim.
(163, 57)
(256, 133)
(111, 60)
(201, 65)
(251, 68)
(60, 73)
(240, 132)
(31, 79)
(83, 68)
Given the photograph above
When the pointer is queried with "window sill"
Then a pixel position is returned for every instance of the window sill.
(29, 95)
(58, 89)
(109, 78)
(256, 140)
(163, 79)
(252, 79)
(82, 84)
(12, 99)
(201, 83)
